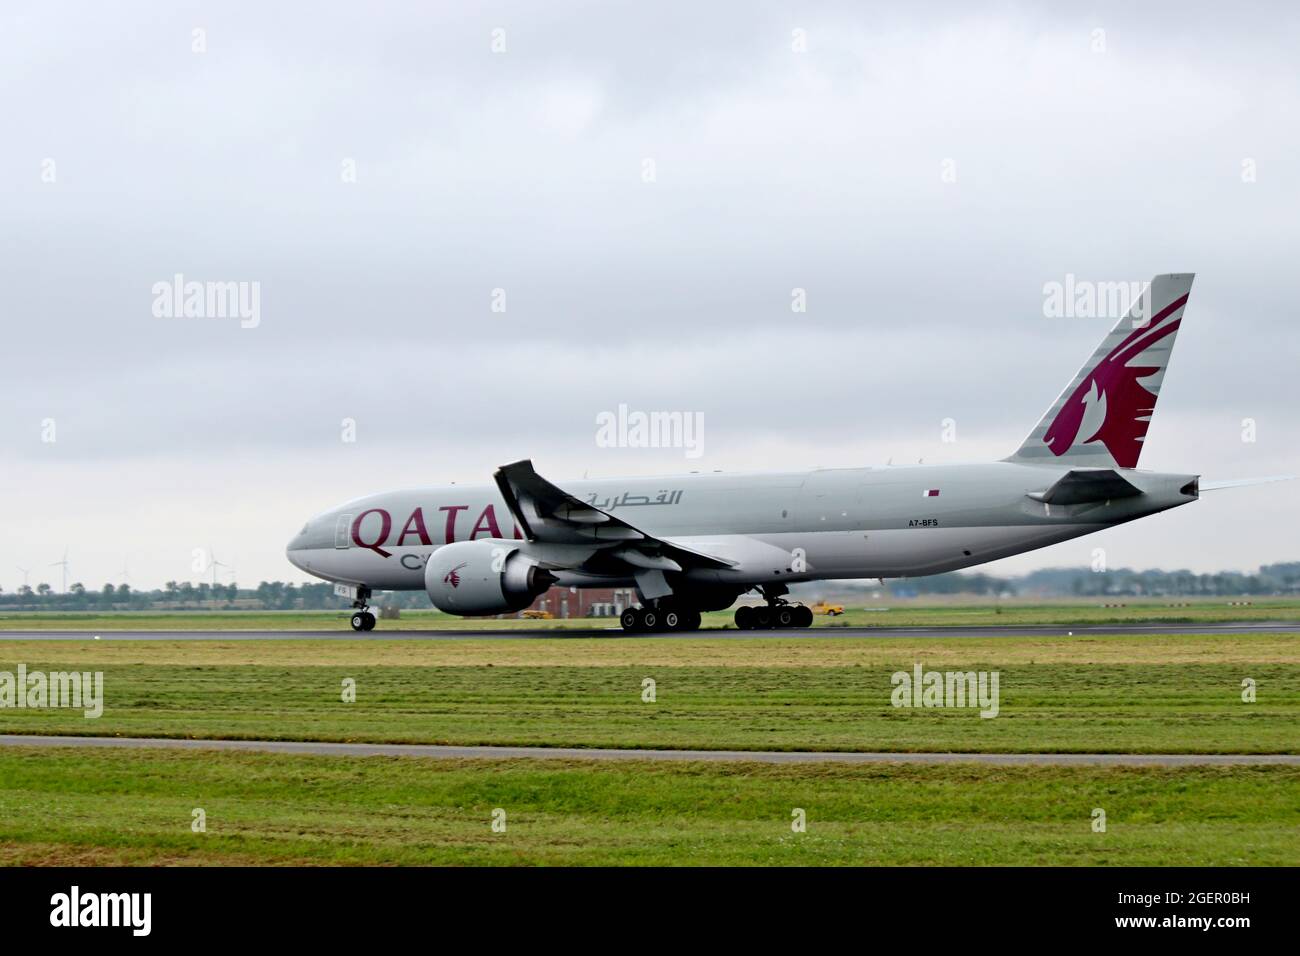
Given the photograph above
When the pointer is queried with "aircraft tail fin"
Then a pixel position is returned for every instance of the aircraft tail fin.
(1101, 418)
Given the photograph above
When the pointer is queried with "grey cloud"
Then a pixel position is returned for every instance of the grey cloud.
(774, 171)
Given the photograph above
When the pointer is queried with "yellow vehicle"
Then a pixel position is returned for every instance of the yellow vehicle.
(534, 615)
(830, 610)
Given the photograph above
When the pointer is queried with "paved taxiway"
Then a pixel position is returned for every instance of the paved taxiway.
(439, 752)
(397, 634)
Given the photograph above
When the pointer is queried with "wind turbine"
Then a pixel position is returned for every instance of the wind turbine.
(124, 575)
(25, 571)
(215, 564)
(63, 564)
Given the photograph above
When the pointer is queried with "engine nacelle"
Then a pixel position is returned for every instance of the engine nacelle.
(487, 576)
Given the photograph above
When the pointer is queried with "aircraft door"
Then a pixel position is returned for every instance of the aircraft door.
(343, 532)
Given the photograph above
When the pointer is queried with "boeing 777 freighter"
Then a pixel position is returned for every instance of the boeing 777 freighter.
(697, 542)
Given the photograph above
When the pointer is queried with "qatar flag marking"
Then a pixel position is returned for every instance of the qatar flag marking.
(930, 493)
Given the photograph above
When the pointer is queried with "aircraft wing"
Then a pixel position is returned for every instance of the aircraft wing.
(550, 515)
(1086, 485)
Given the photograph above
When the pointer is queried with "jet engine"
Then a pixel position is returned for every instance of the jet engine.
(487, 576)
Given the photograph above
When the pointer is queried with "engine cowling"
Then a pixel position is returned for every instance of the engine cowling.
(487, 576)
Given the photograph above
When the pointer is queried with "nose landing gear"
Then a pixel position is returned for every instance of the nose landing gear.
(363, 619)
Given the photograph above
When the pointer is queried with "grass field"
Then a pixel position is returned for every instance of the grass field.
(79, 807)
(1148, 694)
(1137, 694)
(887, 614)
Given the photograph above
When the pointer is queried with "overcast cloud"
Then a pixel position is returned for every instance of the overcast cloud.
(1175, 147)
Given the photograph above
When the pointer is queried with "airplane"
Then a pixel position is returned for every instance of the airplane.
(697, 542)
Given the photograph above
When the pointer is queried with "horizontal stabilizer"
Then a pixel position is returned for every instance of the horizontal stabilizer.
(1082, 486)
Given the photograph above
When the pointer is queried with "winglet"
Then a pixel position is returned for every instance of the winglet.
(532, 499)
(512, 501)
(545, 512)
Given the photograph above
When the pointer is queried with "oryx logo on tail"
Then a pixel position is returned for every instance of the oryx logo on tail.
(1102, 417)
(1111, 405)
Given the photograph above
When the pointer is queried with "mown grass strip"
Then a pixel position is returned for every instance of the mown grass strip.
(81, 806)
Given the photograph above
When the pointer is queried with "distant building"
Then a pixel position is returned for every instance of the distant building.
(585, 602)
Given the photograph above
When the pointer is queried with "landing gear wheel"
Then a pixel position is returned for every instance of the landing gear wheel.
(762, 618)
(649, 619)
(691, 621)
(745, 618)
(631, 620)
(783, 616)
(673, 621)
(803, 616)
(362, 619)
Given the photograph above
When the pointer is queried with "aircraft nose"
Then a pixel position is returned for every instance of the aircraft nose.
(295, 548)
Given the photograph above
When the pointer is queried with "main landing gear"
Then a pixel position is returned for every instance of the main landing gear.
(776, 613)
(363, 619)
(763, 618)
(645, 619)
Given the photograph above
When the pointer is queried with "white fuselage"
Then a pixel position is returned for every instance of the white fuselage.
(772, 528)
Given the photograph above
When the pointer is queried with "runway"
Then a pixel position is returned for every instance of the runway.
(613, 631)
(437, 752)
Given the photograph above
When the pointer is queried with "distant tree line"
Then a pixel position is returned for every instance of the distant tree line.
(1271, 579)
(188, 596)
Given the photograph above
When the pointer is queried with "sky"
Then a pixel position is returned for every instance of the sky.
(473, 229)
